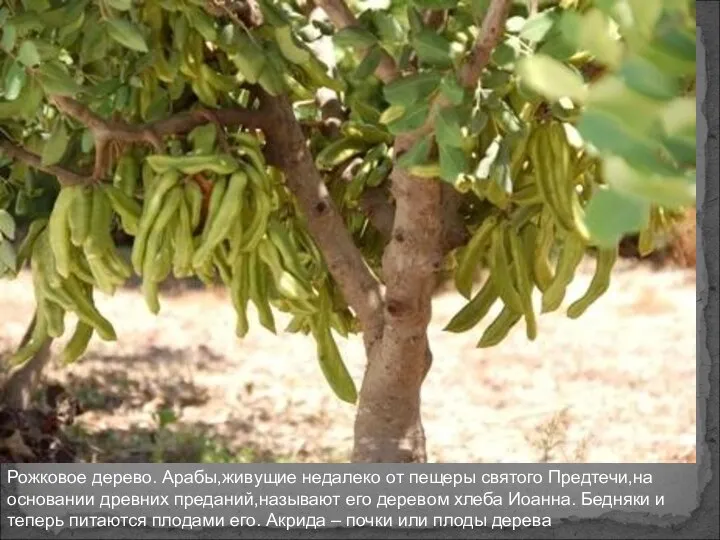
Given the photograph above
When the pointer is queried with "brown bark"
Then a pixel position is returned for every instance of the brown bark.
(388, 425)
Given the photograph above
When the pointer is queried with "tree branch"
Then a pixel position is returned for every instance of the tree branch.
(491, 31)
(105, 131)
(341, 17)
(287, 149)
(64, 176)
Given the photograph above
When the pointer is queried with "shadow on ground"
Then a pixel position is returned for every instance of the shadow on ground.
(65, 414)
(175, 443)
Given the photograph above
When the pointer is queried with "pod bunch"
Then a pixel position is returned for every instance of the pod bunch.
(58, 292)
(206, 208)
(537, 242)
(212, 212)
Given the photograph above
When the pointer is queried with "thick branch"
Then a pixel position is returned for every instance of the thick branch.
(341, 17)
(491, 31)
(414, 254)
(64, 176)
(287, 149)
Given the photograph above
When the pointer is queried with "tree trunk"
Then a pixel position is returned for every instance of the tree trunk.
(388, 427)
(18, 387)
(388, 424)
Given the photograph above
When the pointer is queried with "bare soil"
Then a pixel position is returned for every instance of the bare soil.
(616, 386)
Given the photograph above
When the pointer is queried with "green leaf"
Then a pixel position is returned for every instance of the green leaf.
(388, 28)
(46, 50)
(354, 36)
(126, 34)
(9, 34)
(415, 20)
(432, 48)
(388, 116)
(56, 80)
(411, 89)
(671, 192)
(677, 40)
(610, 135)
(31, 99)
(203, 23)
(645, 15)
(451, 89)
(610, 215)
(105, 88)
(120, 5)
(36, 5)
(594, 35)
(453, 162)
(673, 51)
(448, 127)
(680, 117)
(556, 45)
(413, 118)
(478, 121)
(551, 79)
(679, 131)
(7, 255)
(637, 112)
(159, 107)
(67, 16)
(56, 145)
(94, 44)
(9, 109)
(506, 53)
(7, 224)
(369, 63)
(536, 28)
(15, 81)
(417, 155)
(28, 54)
(683, 151)
(645, 78)
(27, 22)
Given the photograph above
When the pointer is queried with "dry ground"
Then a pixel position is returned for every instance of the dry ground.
(616, 386)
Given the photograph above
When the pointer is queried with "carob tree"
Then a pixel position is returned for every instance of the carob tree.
(327, 160)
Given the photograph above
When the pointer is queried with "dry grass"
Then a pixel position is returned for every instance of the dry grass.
(616, 386)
